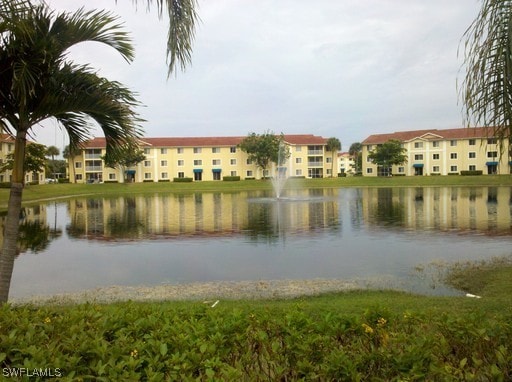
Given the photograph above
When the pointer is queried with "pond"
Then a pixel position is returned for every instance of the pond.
(380, 237)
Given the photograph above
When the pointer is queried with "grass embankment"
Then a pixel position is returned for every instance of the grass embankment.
(365, 335)
(54, 191)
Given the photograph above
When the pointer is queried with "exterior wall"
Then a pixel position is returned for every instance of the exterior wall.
(201, 162)
(436, 155)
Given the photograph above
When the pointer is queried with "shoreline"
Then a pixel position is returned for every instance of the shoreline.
(216, 290)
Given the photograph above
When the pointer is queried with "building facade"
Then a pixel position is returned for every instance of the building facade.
(346, 164)
(6, 148)
(199, 158)
(442, 152)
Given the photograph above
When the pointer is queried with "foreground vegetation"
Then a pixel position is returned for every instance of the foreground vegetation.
(52, 191)
(364, 335)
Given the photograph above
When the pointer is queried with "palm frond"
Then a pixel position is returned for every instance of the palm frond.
(486, 90)
(183, 19)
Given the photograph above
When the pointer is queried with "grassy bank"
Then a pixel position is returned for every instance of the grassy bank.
(52, 191)
(365, 335)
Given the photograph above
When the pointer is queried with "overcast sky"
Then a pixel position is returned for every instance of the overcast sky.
(336, 68)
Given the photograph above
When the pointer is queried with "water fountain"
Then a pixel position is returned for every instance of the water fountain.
(280, 174)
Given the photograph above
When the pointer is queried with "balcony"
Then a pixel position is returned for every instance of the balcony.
(315, 152)
(93, 168)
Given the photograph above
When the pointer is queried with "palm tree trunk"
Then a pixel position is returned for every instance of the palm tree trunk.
(12, 223)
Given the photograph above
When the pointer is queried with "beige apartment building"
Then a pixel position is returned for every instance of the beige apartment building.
(7, 147)
(441, 152)
(199, 158)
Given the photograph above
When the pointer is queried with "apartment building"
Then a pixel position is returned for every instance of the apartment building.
(6, 148)
(441, 152)
(346, 163)
(199, 158)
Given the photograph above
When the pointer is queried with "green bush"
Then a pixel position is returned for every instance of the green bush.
(473, 172)
(231, 178)
(5, 185)
(183, 180)
(250, 178)
(272, 342)
(163, 180)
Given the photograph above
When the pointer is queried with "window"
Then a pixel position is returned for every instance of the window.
(249, 173)
(453, 143)
(163, 163)
(181, 162)
(472, 155)
(491, 141)
(298, 172)
(369, 147)
(453, 155)
(328, 160)
(435, 144)
(472, 167)
(198, 162)
(492, 154)
(147, 163)
(418, 157)
(181, 174)
(249, 162)
(298, 160)
(147, 175)
(435, 156)
(232, 162)
(435, 169)
(418, 145)
(453, 168)
(111, 176)
(180, 150)
(368, 160)
(216, 150)
(147, 151)
(401, 170)
(216, 162)
(163, 151)
(78, 164)
(298, 149)
(369, 170)
(233, 173)
(197, 150)
(164, 175)
(232, 149)
(472, 142)
(78, 176)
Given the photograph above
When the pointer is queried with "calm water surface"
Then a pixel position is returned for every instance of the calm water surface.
(378, 236)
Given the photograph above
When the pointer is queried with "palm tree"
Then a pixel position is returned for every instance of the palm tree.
(38, 82)
(333, 145)
(486, 90)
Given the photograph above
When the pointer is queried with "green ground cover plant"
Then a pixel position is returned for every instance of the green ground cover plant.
(355, 336)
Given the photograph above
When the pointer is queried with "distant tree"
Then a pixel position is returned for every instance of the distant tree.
(35, 159)
(333, 145)
(264, 149)
(128, 156)
(388, 154)
(356, 152)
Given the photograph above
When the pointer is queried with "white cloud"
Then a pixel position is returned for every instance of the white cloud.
(337, 68)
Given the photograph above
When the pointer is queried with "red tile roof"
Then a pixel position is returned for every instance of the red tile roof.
(298, 139)
(461, 133)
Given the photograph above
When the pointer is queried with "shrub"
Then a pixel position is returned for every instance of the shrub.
(473, 172)
(182, 180)
(163, 180)
(231, 178)
(5, 185)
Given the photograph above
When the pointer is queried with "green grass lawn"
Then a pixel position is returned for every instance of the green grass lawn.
(52, 191)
